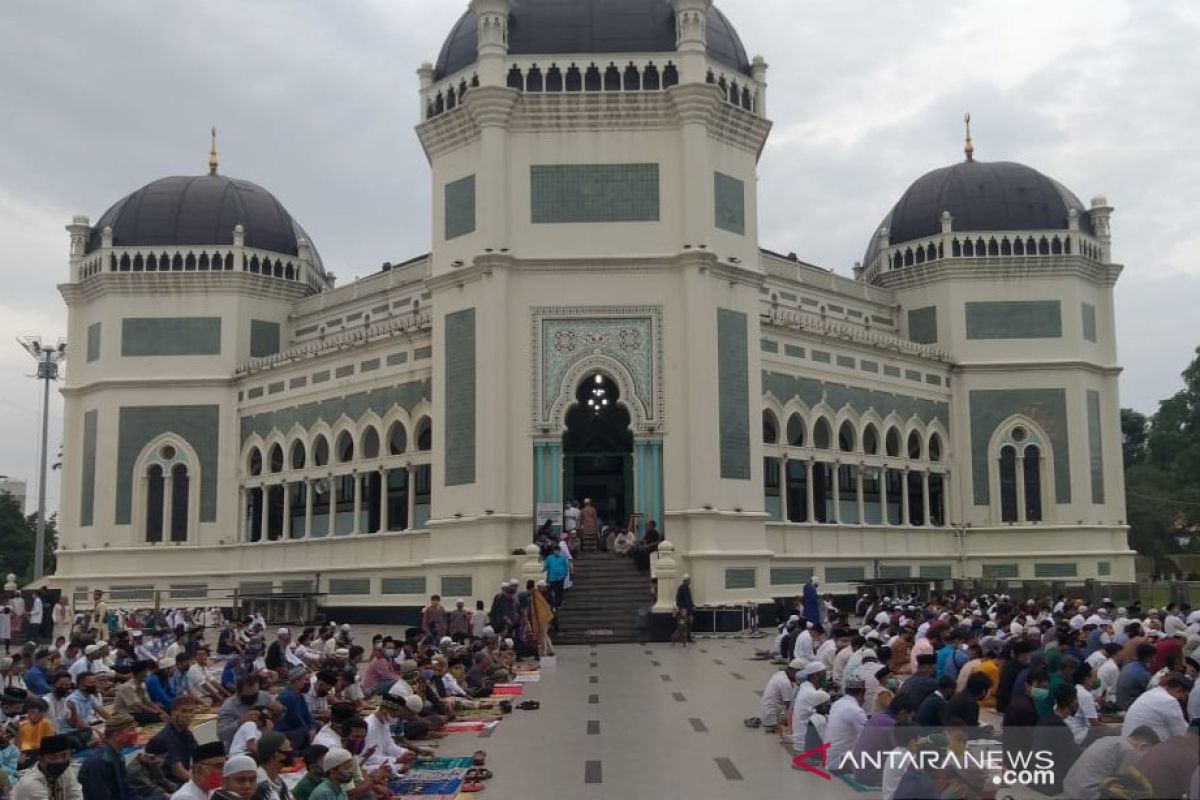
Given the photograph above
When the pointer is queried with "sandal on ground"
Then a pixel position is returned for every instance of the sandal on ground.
(505, 707)
(472, 786)
(476, 774)
(479, 758)
(752, 722)
(529, 705)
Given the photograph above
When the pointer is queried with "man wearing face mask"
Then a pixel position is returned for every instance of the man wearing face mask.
(243, 707)
(339, 771)
(50, 779)
(177, 741)
(274, 753)
(208, 761)
(297, 723)
(380, 739)
(103, 775)
(84, 705)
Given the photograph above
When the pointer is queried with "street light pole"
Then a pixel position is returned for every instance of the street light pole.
(48, 359)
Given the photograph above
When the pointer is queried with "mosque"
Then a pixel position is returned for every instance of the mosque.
(596, 318)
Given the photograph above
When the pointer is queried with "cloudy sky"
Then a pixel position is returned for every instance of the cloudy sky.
(317, 101)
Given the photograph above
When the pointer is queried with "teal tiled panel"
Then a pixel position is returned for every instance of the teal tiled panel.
(1014, 319)
(912, 375)
(1095, 445)
(594, 193)
(895, 571)
(1001, 571)
(890, 371)
(768, 346)
(729, 195)
(460, 397)
(264, 338)
(254, 393)
(793, 351)
(869, 366)
(1089, 321)
(790, 576)
(740, 578)
(396, 359)
(844, 574)
(845, 361)
(320, 377)
(414, 584)
(1066, 569)
(87, 490)
(275, 388)
(733, 394)
(460, 207)
(935, 572)
(370, 365)
(456, 586)
(343, 371)
(822, 357)
(990, 407)
(306, 331)
(199, 426)
(171, 336)
(344, 586)
(93, 342)
(922, 325)
(298, 383)
(422, 353)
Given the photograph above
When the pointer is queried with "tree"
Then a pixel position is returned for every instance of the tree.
(1135, 428)
(18, 534)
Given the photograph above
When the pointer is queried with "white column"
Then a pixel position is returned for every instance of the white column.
(837, 493)
(308, 507)
(168, 497)
(358, 482)
(783, 488)
(905, 519)
(1019, 471)
(333, 498)
(808, 491)
(412, 497)
(925, 495)
(883, 498)
(286, 531)
(858, 482)
(383, 506)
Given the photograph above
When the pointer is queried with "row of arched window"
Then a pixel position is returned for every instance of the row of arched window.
(986, 248)
(358, 482)
(849, 440)
(179, 262)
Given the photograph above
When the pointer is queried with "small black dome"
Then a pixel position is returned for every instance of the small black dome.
(201, 210)
(997, 196)
(546, 27)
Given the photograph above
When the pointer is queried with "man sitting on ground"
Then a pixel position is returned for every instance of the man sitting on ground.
(52, 778)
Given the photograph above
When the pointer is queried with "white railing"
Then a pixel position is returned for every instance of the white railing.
(421, 320)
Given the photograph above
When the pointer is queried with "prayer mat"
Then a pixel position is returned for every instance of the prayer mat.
(418, 787)
(528, 677)
(508, 690)
(453, 762)
(526, 668)
(480, 713)
(468, 726)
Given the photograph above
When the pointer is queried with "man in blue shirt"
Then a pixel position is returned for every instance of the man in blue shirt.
(556, 569)
(179, 742)
(160, 686)
(37, 677)
(102, 775)
(951, 657)
(297, 722)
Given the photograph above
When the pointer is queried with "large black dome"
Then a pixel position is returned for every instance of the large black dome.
(544, 27)
(201, 210)
(997, 196)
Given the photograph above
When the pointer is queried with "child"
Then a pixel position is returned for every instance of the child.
(10, 756)
(32, 730)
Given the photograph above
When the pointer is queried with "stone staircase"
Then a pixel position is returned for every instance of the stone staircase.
(604, 602)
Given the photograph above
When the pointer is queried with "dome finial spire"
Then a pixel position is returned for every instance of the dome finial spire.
(212, 153)
(968, 146)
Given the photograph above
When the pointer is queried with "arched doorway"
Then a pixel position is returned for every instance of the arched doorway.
(598, 450)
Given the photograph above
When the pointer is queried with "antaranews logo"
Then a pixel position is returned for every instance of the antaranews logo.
(1019, 768)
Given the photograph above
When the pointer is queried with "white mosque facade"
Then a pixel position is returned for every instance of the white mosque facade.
(236, 420)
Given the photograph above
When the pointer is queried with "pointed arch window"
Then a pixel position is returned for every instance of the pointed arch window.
(1008, 484)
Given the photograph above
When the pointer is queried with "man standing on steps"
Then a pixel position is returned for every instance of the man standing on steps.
(556, 568)
(684, 609)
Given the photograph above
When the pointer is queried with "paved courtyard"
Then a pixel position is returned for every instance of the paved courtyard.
(643, 721)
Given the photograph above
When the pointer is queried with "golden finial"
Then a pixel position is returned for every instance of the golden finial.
(212, 154)
(969, 147)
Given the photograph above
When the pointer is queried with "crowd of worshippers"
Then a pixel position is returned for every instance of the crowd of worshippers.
(1111, 691)
(319, 694)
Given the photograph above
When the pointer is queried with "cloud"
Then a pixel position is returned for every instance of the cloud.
(318, 103)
